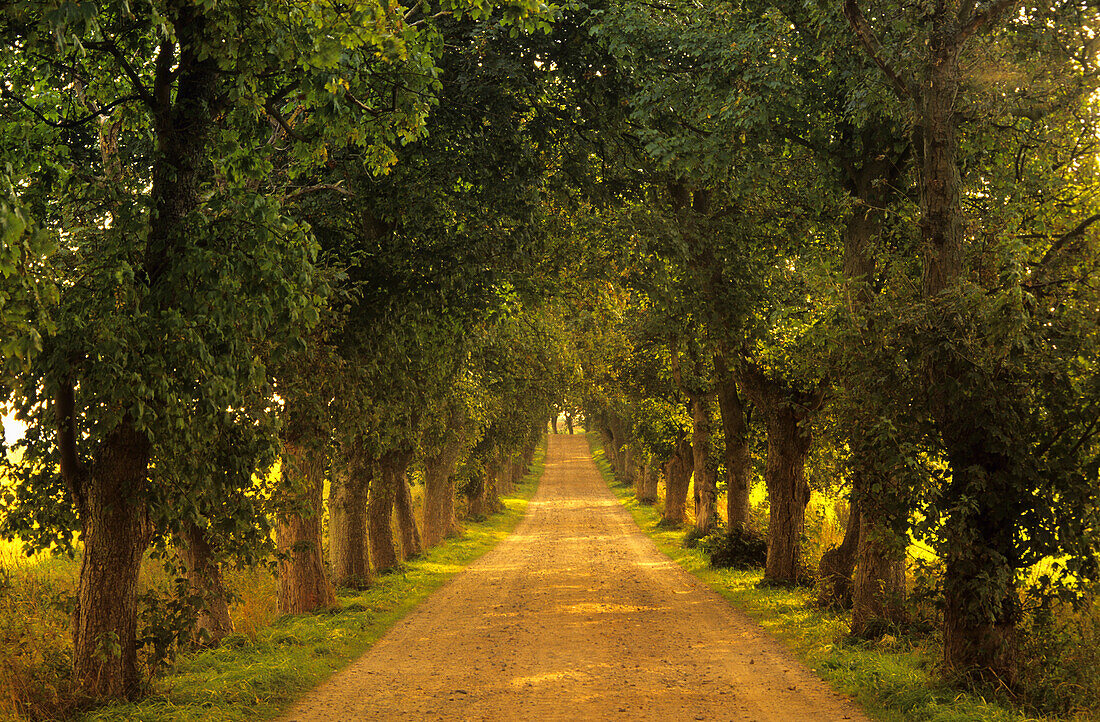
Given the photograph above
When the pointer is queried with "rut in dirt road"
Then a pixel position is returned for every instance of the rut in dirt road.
(576, 616)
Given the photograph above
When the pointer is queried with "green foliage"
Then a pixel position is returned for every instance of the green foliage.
(737, 549)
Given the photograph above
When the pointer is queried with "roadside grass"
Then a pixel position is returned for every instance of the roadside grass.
(271, 661)
(893, 680)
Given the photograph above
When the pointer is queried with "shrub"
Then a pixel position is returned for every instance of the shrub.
(736, 549)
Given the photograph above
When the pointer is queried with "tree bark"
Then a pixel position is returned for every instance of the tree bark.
(834, 574)
(380, 503)
(115, 525)
(347, 527)
(439, 510)
(608, 440)
(737, 457)
(649, 487)
(981, 607)
(788, 494)
(981, 604)
(879, 581)
(677, 479)
(785, 411)
(116, 531)
(706, 491)
(205, 578)
(303, 582)
(877, 589)
(406, 521)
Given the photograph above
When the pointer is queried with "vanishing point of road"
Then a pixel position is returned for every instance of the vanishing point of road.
(575, 616)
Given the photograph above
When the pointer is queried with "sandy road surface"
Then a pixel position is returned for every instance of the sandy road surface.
(576, 616)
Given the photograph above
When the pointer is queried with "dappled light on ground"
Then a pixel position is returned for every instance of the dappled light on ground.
(575, 616)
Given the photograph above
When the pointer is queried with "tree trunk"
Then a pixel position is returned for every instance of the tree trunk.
(608, 440)
(347, 527)
(870, 547)
(303, 583)
(786, 411)
(205, 577)
(706, 492)
(380, 503)
(116, 531)
(834, 574)
(677, 479)
(115, 525)
(649, 485)
(981, 604)
(737, 458)
(439, 494)
(406, 520)
(491, 494)
(630, 473)
(485, 501)
(879, 582)
(981, 608)
(788, 493)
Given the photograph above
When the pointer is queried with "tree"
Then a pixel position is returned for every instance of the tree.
(172, 253)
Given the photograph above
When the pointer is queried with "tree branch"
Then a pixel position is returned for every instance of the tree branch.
(139, 87)
(105, 110)
(334, 187)
(1065, 238)
(874, 48)
(72, 471)
(984, 17)
(272, 111)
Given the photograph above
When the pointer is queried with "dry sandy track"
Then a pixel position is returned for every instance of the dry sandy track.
(576, 616)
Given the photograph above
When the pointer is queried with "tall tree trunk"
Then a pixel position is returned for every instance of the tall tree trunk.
(115, 525)
(406, 520)
(347, 526)
(835, 571)
(116, 531)
(439, 514)
(706, 492)
(879, 581)
(981, 607)
(303, 582)
(788, 493)
(607, 438)
(981, 604)
(677, 479)
(205, 580)
(875, 546)
(786, 412)
(486, 501)
(380, 502)
(491, 496)
(649, 484)
(737, 458)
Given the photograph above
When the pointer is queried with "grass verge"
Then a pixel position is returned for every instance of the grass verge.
(892, 680)
(247, 679)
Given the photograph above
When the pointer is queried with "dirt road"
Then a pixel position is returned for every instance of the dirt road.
(576, 616)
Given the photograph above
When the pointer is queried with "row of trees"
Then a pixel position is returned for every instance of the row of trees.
(253, 247)
(347, 239)
(867, 232)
